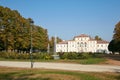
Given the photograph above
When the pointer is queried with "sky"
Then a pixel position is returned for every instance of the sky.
(69, 18)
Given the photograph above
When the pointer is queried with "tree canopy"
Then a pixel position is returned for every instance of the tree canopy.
(98, 38)
(15, 32)
(116, 35)
(114, 44)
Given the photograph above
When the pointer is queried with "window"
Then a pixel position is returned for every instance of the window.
(85, 44)
(72, 45)
(81, 45)
(81, 39)
(101, 45)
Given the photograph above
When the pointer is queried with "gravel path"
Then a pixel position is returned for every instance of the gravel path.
(62, 66)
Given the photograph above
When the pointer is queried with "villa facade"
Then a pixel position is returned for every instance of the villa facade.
(83, 43)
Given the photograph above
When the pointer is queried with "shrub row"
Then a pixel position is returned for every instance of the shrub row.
(46, 56)
(12, 55)
(73, 55)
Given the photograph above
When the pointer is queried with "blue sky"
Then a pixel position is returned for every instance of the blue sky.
(68, 18)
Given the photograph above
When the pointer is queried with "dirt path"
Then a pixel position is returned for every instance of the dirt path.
(112, 59)
(63, 66)
(112, 62)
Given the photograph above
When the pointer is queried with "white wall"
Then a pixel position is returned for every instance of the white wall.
(61, 48)
(81, 44)
(72, 46)
(102, 48)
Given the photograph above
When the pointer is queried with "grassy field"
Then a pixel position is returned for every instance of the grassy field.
(42, 74)
(81, 58)
(80, 61)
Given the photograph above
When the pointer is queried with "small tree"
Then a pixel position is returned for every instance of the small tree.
(98, 38)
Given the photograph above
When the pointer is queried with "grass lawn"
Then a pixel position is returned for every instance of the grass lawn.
(43, 74)
(80, 61)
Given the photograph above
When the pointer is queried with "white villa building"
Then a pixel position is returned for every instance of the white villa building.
(82, 43)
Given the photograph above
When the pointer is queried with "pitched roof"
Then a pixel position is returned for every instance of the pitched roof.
(63, 42)
(92, 39)
(70, 40)
(102, 42)
(82, 35)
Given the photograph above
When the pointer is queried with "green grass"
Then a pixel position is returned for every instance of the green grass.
(42, 74)
(78, 61)
(92, 61)
(81, 58)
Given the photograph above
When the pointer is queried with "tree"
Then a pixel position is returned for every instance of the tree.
(114, 44)
(116, 35)
(97, 38)
(111, 46)
(15, 32)
(40, 38)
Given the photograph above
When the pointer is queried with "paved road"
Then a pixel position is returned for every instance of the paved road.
(62, 66)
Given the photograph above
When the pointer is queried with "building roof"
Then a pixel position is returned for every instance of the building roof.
(63, 42)
(70, 40)
(102, 42)
(91, 39)
(82, 35)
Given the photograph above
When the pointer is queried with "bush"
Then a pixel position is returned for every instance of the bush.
(13, 55)
(70, 55)
(73, 55)
(46, 56)
(86, 55)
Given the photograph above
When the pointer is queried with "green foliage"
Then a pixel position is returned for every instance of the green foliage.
(73, 55)
(15, 32)
(85, 55)
(12, 55)
(98, 38)
(42, 56)
(116, 35)
(68, 55)
(114, 46)
(36, 56)
(92, 61)
(80, 58)
(42, 74)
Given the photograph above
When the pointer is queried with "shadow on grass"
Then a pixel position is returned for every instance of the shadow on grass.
(117, 78)
(8, 76)
(114, 57)
(16, 76)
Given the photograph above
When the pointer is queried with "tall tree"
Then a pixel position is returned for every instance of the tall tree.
(116, 35)
(15, 32)
(114, 44)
